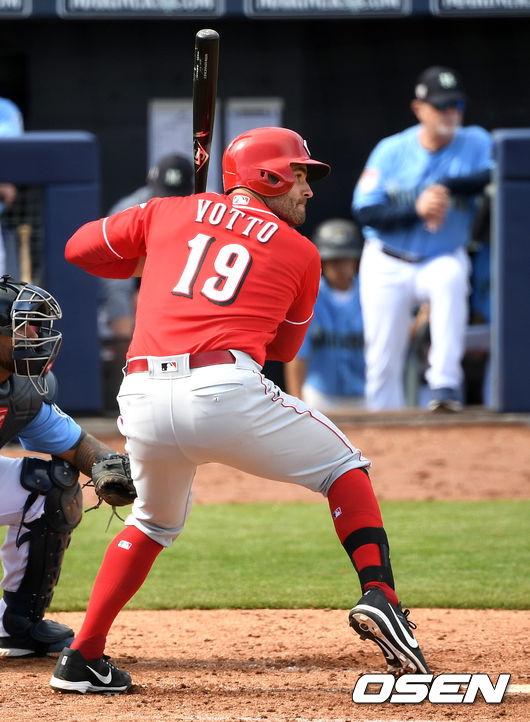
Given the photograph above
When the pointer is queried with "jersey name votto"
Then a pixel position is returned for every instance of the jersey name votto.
(235, 220)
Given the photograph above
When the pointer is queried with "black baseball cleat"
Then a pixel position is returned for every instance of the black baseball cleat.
(38, 639)
(74, 673)
(375, 618)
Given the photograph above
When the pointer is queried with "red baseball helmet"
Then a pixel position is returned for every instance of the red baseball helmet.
(261, 160)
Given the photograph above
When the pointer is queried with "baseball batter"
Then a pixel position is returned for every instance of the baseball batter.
(227, 283)
(415, 201)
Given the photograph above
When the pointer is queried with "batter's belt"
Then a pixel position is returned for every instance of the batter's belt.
(196, 360)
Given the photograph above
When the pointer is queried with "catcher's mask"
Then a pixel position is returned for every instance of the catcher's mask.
(27, 314)
(261, 160)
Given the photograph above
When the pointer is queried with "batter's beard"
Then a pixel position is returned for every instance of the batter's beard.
(294, 214)
(295, 219)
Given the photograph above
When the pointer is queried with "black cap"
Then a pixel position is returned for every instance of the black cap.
(439, 86)
(171, 176)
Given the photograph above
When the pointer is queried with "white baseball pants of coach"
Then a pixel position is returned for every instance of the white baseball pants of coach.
(390, 289)
(230, 414)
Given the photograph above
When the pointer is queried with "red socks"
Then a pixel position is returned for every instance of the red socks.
(126, 564)
(354, 506)
(131, 554)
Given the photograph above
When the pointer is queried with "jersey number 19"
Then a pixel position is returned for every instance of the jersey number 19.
(232, 263)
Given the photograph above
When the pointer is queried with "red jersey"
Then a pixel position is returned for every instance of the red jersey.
(220, 272)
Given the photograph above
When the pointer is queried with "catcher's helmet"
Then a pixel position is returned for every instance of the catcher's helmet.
(338, 238)
(261, 160)
(27, 314)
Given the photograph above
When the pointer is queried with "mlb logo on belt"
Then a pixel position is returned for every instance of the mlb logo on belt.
(169, 366)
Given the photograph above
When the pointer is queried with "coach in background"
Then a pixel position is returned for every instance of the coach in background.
(415, 201)
(328, 371)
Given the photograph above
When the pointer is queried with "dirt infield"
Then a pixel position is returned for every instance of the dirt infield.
(303, 664)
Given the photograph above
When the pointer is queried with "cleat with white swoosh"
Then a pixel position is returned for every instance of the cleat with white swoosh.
(375, 618)
(74, 673)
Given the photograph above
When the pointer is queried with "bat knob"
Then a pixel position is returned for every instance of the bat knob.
(208, 34)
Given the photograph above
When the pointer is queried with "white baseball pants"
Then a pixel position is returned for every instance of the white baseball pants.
(390, 289)
(229, 414)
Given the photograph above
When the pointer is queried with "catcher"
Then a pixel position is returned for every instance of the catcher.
(40, 500)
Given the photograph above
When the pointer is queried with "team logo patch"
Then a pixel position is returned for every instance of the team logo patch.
(447, 80)
(3, 414)
(369, 180)
(173, 177)
(241, 200)
(124, 544)
(337, 512)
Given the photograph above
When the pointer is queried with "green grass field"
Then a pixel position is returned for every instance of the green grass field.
(445, 554)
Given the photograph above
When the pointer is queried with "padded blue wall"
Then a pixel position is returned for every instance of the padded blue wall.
(511, 272)
(66, 164)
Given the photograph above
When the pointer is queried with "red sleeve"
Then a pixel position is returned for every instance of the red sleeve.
(110, 247)
(291, 332)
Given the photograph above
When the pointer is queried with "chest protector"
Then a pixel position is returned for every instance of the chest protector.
(20, 403)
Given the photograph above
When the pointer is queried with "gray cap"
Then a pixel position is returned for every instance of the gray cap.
(338, 238)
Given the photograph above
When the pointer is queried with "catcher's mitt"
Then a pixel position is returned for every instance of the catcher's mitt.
(111, 476)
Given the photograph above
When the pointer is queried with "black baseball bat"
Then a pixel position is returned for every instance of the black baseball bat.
(204, 95)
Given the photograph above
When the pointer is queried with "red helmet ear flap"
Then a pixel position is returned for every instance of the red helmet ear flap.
(261, 161)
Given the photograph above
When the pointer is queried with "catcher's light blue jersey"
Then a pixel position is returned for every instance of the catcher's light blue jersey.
(399, 169)
(51, 431)
(333, 346)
